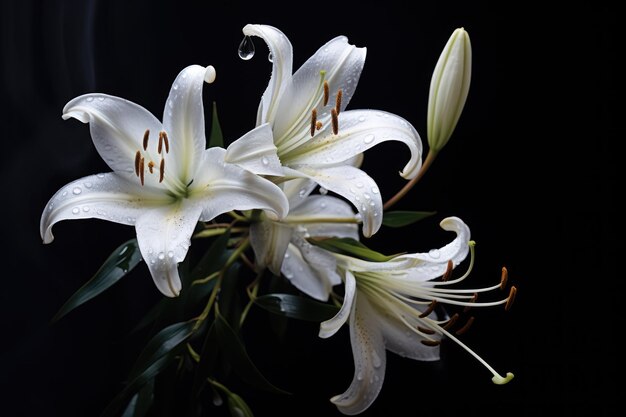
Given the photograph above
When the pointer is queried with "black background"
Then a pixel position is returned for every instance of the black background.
(531, 168)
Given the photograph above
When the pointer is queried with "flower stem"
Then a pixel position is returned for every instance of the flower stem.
(407, 187)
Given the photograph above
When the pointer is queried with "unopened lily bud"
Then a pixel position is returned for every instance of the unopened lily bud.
(448, 89)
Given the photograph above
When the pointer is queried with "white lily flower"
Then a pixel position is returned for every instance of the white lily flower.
(449, 87)
(281, 245)
(316, 138)
(164, 180)
(390, 306)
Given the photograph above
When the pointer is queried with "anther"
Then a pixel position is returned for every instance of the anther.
(504, 277)
(137, 159)
(141, 169)
(473, 300)
(425, 330)
(429, 310)
(146, 135)
(318, 125)
(313, 121)
(446, 275)
(431, 343)
(334, 120)
(451, 322)
(510, 298)
(151, 166)
(162, 170)
(338, 100)
(465, 327)
(166, 142)
(326, 92)
(160, 147)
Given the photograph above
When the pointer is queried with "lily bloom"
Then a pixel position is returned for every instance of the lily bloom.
(316, 138)
(390, 306)
(164, 180)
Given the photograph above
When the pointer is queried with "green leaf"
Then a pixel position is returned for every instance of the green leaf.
(119, 263)
(296, 307)
(404, 218)
(236, 355)
(238, 407)
(208, 359)
(140, 403)
(352, 247)
(215, 137)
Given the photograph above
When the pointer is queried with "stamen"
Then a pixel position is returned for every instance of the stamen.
(151, 166)
(473, 300)
(446, 275)
(146, 135)
(431, 343)
(313, 121)
(335, 120)
(425, 330)
(451, 322)
(504, 277)
(429, 310)
(160, 147)
(162, 170)
(338, 101)
(466, 327)
(167, 142)
(137, 158)
(318, 125)
(326, 92)
(510, 298)
(141, 170)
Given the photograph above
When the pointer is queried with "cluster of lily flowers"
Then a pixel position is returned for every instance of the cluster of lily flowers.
(164, 181)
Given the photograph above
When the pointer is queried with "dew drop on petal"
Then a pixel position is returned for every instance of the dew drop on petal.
(359, 185)
(175, 86)
(286, 255)
(368, 139)
(86, 209)
(359, 376)
(101, 98)
(89, 99)
(367, 196)
(75, 210)
(77, 190)
(246, 48)
(434, 253)
(161, 255)
(362, 119)
(323, 191)
(170, 254)
(376, 359)
(375, 190)
(64, 194)
(302, 192)
(100, 175)
(88, 184)
(265, 161)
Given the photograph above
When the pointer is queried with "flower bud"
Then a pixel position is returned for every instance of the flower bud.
(448, 89)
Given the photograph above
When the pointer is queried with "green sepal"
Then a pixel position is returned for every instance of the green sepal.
(296, 307)
(216, 138)
(400, 218)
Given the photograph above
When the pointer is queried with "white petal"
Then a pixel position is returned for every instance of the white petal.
(107, 196)
(164, 235)
(183, 120)
(117, 127)
(396, 265)
(359, 130)
(298, 189)
(310, 269)
(370, 360)
(331, 326)
(342, 64)
(320, 207)
(405, 342)
(282, 61)
(269, 241)
(356, 186)
(221, 187)
(255, 152)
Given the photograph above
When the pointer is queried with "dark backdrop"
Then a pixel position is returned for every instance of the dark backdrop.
(531, 168)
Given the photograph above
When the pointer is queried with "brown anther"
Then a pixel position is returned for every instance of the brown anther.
(338, 100)
(326, 93)
(510, 298)
(160, 147)
(313, 121)
(137, 159)
(429, 310)
(425, 330)
(318, 125)
(446, 275)
(162, 170)
(504, 277)
(465, 327)
(334, 120)
(431, 343)
(473, 300)
(151, 166)
(451, 322)
(146, 135)
(141, 169)
(166, 142)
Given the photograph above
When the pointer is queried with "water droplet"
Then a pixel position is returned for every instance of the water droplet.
(359, 376)
(352, 190)
(88, 184)
(359, 185)
(323, 191)
(150, 251)
(75, 210)
(323, 205)
(175, 86)
(50, 207)
(376, 377)
(89, 99)
(375, 214)
(152, 261)
(246, 48)
(434, 253)
(265, 161)
(184, 75)
(270, 58)
(170, 254)
(361, 118)
(77, 190)
(364, 208)
(161, 255)
(64, 194)
(217, 399)
(374, 190)
(100, 175)
(101, 98)
(368, 139)
(367, 196)
(302, 192)
(286, 256)
(86, 209)
(376, 359)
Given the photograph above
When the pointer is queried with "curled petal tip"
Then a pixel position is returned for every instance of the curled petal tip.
(500, 380)
(210, 74)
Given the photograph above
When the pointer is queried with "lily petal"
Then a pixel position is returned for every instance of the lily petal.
(269, 242)
(370, 360)
(117, 127)
(109, 196)
(221, 187)
(320, 207)
(359, 130)
(406, 343)
(332, 326)
(164, 234)
(282, 61)
(255, 152)
(298, 189)
(183, 120)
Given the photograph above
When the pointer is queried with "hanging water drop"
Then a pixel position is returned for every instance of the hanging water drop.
(323, 191)
(246, 48)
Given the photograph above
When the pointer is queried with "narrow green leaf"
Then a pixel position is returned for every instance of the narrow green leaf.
(119, 263)
(236, 355)
(352, 247)
(404, 218)
(208, 358)
(140, 403)
(215, 137)
(296, 307)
